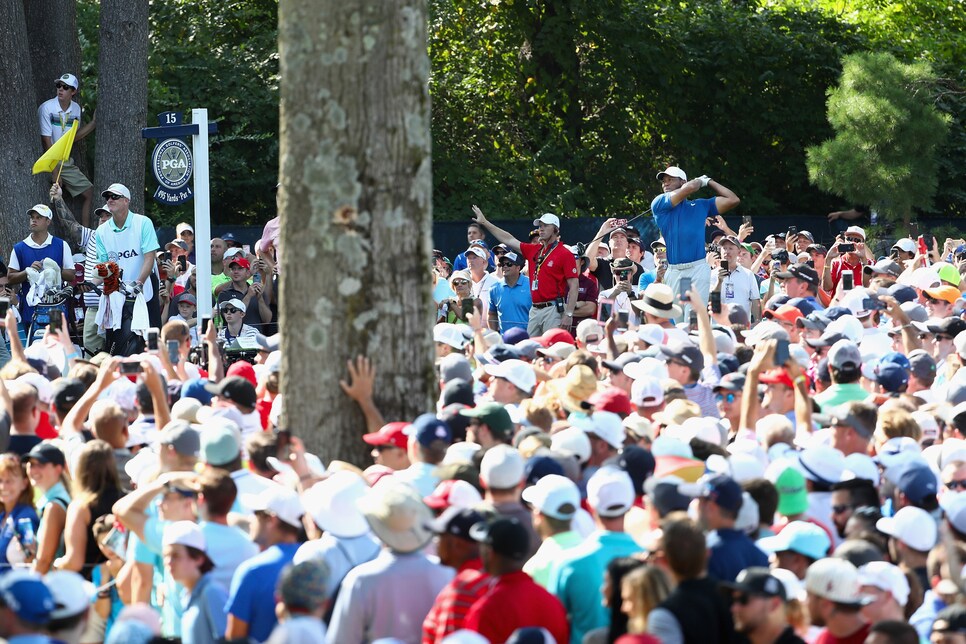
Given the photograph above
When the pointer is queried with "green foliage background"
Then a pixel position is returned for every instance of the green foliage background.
(572, 106)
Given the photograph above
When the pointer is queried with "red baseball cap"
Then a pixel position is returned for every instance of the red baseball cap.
(453, 492)
(777, 377)
(389, 434)
(553, 336)
(612, 399)
(785, 312)
(241, 261)
(243, 369)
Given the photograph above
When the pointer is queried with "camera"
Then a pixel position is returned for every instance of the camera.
(622, 276)
(559, 304)
(781, 256)
(846, 248)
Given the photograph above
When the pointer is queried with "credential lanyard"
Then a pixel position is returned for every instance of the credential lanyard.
(540, 260)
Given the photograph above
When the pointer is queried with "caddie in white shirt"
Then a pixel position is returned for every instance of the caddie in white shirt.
(130, 240)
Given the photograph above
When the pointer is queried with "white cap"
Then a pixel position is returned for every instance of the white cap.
(68, 79)
(911, 525)
(605, 425)
(647, 368)
(501, 467)
(572, 441)
(822, 464)
(184, 533)
(906, 245)
(849, 326)
(548, 218)
(855, 230)
(278, 500)
(673, 171)
(551, 493)
(45, 390)
(794, 589)
(183, 226)
(517, 372)
(72, 593)
(610, 492)
(886, 576)
(461, 452)
(235, 302)
(117, 189)
(667, 446)
(860, 466)
(450, 334)
(651, 334)
(231, 252)
(647, 391)
(42, 210)
(834, 579)
(332, 504)
(765, 330)
(704, 428)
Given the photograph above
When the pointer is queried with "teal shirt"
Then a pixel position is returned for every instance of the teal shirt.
(149, 239)
(578, 578)
(545, 558)
(839, 395)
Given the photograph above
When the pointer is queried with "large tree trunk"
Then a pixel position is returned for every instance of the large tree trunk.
(122, 97)
(54, 46)
(55, 50)
(356, 204)
(19, 189)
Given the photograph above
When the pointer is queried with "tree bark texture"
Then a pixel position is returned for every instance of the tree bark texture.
(19, 189)
(357, 214)
(55, 50)
(122, 98)
(54, 46)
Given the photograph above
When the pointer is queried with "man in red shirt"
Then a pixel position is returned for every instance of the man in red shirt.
(515, 600)
(837, 262)
(835, 603)
(456, 549)
(553, 273)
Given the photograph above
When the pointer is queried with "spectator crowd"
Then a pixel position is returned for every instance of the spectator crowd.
(673, 440)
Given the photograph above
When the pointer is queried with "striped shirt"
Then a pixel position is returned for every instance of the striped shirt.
(454, 602)
(91, 299)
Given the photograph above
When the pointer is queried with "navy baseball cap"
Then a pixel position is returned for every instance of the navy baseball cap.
(902, 293)
(428, 428)
(720, 489)
(891, 376)
(806, 306)
(835, 312)
(27, 596)
(539, 467)
(917, 481)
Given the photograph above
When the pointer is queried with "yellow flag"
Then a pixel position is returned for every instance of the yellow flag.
(57, 153)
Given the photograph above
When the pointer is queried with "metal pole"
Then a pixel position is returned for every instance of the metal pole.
(199, 149)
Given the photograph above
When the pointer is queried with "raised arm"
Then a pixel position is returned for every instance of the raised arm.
(63, 217)
(726, 199)
(505, 238)
(605, 229)
(362, 376)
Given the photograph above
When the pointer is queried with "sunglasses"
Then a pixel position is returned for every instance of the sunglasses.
(855, 240)
(839, 509)
(957, 485)
(940, 338)
(742, 598)
(729, 397)
(506, 264)
(229, 311)
(62, 86)
(460, 282)
(113, 197)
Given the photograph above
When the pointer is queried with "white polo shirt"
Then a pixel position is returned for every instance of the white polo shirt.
(739, 288)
